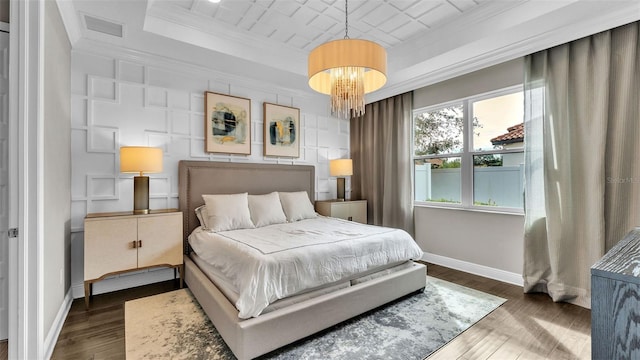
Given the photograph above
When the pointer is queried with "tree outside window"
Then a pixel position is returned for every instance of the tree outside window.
(493, 158)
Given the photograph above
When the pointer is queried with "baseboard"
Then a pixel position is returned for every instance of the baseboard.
(52, 337)
(476, 269)
(125, 281)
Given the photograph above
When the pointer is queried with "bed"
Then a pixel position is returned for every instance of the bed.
(256, 335)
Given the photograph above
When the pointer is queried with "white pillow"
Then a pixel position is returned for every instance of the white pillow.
(228, 212)
(296, 206)
(266, 209)
(202, 215)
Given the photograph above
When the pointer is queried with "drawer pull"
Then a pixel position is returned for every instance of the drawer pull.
(350, 218)
(139, 243)
(134, 244)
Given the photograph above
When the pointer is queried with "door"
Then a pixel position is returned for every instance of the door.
(4, 181)
(108, 246)
(161, 240)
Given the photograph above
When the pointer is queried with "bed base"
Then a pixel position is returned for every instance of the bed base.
(250, 338)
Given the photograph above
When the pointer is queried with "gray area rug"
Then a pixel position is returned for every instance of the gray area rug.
(173, 326)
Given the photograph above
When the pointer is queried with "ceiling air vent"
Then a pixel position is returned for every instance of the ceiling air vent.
(103, 26)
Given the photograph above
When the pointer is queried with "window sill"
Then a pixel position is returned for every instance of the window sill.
(457, 207)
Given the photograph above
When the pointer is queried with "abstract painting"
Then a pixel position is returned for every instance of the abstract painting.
(281, 130)
(227, 124)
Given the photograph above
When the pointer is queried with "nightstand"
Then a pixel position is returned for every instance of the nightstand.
(120, 242)
(354, 210)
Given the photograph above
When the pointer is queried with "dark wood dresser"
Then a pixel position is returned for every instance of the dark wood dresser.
(615, 301)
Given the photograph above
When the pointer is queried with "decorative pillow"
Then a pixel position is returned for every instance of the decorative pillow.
(202, 215)
(296, 206)
(228, 212)
(266, 209)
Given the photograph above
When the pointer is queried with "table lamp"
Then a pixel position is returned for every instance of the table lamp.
(341, 168)
(140, 160)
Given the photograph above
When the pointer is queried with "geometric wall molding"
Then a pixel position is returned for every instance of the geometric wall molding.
(117, 102)
(102, 139)
(102, 187)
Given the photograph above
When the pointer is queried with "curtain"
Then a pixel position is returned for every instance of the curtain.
(582, 158)
(381, 155)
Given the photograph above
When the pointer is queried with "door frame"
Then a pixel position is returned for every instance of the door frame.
(26, 44)
(4, 28)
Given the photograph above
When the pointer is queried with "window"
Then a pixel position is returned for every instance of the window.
(470, 153)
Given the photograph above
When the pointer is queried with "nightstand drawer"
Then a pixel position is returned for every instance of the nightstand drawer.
(108, 246)
(355, 210)
(159, 238)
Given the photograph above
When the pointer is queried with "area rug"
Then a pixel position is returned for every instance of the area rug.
(173, 326)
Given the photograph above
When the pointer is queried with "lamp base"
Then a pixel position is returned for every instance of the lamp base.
(140, 194)
(340, 192)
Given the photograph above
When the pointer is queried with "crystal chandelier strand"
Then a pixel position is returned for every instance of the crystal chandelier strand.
(347, 91)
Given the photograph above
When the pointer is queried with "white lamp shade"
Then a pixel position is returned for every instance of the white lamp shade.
(341, 167)
(140, 159)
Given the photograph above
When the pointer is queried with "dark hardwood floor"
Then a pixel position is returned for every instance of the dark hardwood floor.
(98, 333)
(4, 351)
(527, 326)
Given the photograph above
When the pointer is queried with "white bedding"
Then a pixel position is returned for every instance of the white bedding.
(277, 261)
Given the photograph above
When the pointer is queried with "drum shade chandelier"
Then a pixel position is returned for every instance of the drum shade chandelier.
(347, 69)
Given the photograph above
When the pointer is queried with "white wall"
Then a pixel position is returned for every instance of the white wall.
(57, 167)
(499, 76)
(132, 99)
(452, 237)
(490, 244)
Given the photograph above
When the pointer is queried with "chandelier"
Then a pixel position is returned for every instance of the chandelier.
(347, 69)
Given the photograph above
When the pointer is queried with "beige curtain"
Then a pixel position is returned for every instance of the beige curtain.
(381, 153)
(582, 158)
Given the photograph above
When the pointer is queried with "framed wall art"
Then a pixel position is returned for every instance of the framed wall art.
(227, 124)
(281, 130)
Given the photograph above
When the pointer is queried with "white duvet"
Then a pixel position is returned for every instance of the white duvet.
(277, 261)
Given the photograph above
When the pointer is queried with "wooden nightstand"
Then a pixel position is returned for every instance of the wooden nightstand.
(119, 242)
(354, 210)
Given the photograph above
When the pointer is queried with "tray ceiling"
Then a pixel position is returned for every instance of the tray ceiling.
(269, 40)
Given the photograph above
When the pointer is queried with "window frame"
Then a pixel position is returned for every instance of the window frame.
(466, 155)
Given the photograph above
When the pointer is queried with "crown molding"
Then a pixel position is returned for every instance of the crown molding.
(581, 19)
(177, 23)
(70, 20)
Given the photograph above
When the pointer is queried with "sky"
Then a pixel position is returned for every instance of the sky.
(496, 115)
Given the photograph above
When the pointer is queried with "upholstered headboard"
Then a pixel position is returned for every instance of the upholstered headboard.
(207, 177)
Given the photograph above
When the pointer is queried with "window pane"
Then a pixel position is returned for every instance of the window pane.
(439, 131)
(497, 122)
(438, 180)
(498, 180)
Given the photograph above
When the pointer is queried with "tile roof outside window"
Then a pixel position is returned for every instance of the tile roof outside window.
(515, 135)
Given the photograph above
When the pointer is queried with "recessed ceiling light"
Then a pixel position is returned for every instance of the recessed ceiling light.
(214, 1)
